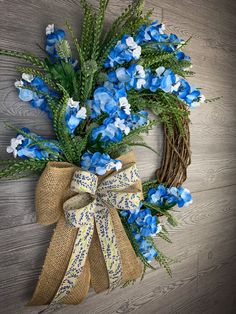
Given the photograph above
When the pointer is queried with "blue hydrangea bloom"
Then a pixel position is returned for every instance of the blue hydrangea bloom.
(187, 93)
(52, 37)
(138, 119)
(125, 50)
(74, 115)
(143, 225)
(99, 163)
(107, 99)
(162, 195)
(36, 100)
(22, 147)
(147, 249)
(182, 196)
(151, 33)
(134, 76)
(154, 33)
(108, 131)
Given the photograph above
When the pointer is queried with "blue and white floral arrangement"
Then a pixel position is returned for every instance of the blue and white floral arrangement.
(99, 102)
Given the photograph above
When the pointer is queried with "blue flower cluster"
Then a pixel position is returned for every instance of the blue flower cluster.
(143, 225)
(99, 163)
(74, 115)
(166, 196)
(36, 100)
(52, 37)
(111, 98)
(125, 50)
(154, 33)
(23, 147)
(165, 79)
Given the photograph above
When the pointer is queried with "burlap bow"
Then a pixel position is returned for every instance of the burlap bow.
(89, 243)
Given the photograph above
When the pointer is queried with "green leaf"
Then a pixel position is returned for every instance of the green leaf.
(29, 57)
(25, 166)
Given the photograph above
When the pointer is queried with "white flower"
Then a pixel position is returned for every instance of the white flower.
(81, 114)
(27, 77)
(50, 29)
(140, 83)
(120, 124)
(14, 144)
(137, 52)
(114, 165)
(182, 42)
(162, 29)
(202, 99)
(188, 68)
(176, 86)
(160, 71)
(19, 84)
(131, 43)
(159, 228)
(124, 104)
(140, 71)
(72, 103)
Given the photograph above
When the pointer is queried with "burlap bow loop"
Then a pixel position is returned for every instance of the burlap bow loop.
(89, 244)
(90, 207)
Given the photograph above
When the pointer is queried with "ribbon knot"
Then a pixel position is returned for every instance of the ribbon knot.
(90, 208)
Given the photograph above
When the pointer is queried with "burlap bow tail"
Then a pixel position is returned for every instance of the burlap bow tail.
(89, 245)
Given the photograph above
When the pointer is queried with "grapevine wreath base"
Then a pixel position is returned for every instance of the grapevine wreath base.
(99, 102)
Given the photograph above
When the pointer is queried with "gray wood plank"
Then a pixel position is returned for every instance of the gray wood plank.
(204, 241)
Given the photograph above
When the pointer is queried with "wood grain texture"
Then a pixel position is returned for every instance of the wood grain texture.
(204, 241)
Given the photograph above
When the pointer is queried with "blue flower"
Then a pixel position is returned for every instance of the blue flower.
(157, 196)
(182, 196)
(52, 37)
(99, 163)
(23, 147)
(154, 33)
(36, 100)
(125, 50)
(147, 250)
(108, 131)
(151, 33)
(189, 94)
(134, 76)
(138, 119)
(74, 115)
(162, 196)
(107, 99)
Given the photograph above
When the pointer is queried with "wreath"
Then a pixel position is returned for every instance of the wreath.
(98, 101)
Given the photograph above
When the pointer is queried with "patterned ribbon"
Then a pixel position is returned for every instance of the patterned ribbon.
(90, 207)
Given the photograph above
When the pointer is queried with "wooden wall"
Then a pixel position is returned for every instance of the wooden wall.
(204, 242)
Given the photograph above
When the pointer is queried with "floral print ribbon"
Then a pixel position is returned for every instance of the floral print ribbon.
(90, 207)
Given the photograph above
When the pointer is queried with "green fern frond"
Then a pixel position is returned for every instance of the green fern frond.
(87, 35)
(164, 262)
(98, 26)
(132, 136)
(20, 167)
(164, 237)
(144, 145)
(29, 57)
(76, 42)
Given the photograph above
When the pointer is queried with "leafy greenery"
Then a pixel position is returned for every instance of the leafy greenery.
(164, 105)
(15, 168)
